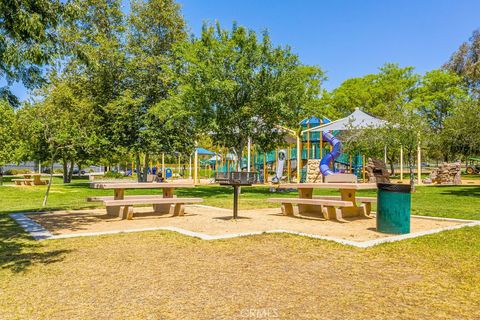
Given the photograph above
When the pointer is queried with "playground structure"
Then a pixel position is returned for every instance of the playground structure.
(312, 155)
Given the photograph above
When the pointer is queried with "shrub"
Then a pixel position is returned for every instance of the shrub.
(16, 171)
(113, 175)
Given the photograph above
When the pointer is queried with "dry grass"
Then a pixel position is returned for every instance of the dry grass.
(161, 275)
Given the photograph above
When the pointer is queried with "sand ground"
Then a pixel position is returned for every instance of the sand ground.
(218, 221)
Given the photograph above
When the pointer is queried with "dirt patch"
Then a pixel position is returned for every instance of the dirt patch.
(217, 221)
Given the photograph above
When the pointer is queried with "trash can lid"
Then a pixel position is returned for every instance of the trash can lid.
(392, 187)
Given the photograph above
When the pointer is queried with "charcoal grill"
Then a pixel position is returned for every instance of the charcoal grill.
(236, 180)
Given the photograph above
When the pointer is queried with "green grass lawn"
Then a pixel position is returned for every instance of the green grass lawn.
(164, 275)
(442, 201)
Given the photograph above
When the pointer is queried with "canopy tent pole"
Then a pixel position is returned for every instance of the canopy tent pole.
(401, 163)
(249, 146)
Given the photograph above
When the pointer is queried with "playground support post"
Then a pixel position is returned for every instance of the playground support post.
(265, 171)
(299, 157)
(195, 171)
(289, 160)
(363, 168)
(401, 163)
(163, 165)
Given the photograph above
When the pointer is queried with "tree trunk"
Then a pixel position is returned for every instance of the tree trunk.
(45, 199)
(145, 168)
(65, 170)
(70, 170)
(412, 175)
(138, 165)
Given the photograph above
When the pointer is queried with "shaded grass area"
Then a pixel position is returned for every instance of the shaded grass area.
(169, 276)
(160, 275)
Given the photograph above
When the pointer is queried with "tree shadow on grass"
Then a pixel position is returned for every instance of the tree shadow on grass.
(464, 191)
(18, 251)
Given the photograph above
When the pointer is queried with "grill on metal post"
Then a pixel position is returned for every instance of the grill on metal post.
(236, 180)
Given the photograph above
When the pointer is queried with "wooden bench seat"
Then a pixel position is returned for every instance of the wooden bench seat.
(365, 201)
(359, 199)
(126, 205)
(329, 208)
(19, 182)
(141, 197)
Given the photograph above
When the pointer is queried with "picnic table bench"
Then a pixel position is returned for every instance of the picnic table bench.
(121, 206)
(337, 208)
(19, 182)
(31, 179)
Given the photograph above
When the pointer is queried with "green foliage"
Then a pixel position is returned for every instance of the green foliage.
(28, 40)
(113, 175)
(375, 93)
(16, 171)
(240, 86)
(461, 135)
(465, 62)
(7, 133)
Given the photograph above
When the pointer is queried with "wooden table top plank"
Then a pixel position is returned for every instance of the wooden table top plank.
(338, 185)
(136, 185)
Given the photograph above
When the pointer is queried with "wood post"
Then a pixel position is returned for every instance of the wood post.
(195, 171)
(401, 163)
(419, 163)
(249, 147)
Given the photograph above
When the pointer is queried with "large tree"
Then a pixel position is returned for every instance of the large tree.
(242, 87)
(148, 119)
(466, 63)
(379, 94)
(7, 135)
(438, 96)
(28, 40)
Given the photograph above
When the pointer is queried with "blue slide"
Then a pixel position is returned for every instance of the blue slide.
(331, 156)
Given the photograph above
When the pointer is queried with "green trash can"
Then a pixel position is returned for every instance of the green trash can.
(393, 208)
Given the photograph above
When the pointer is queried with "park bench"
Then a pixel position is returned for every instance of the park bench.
(137, 197)
(331, 209)
(176, 205)
(19, 182)
(365, 201)
(126, 205)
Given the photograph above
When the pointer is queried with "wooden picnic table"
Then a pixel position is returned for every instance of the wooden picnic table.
(120, 187)
(37, 178)
(347, 193)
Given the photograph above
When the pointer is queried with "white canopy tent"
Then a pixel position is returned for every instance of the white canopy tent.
(357, 120)
(362, 120)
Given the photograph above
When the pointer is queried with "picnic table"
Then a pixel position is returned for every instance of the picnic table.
(333, 207)
(121, 205)
(30, 179)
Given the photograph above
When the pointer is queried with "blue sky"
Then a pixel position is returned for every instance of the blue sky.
(348, 38)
